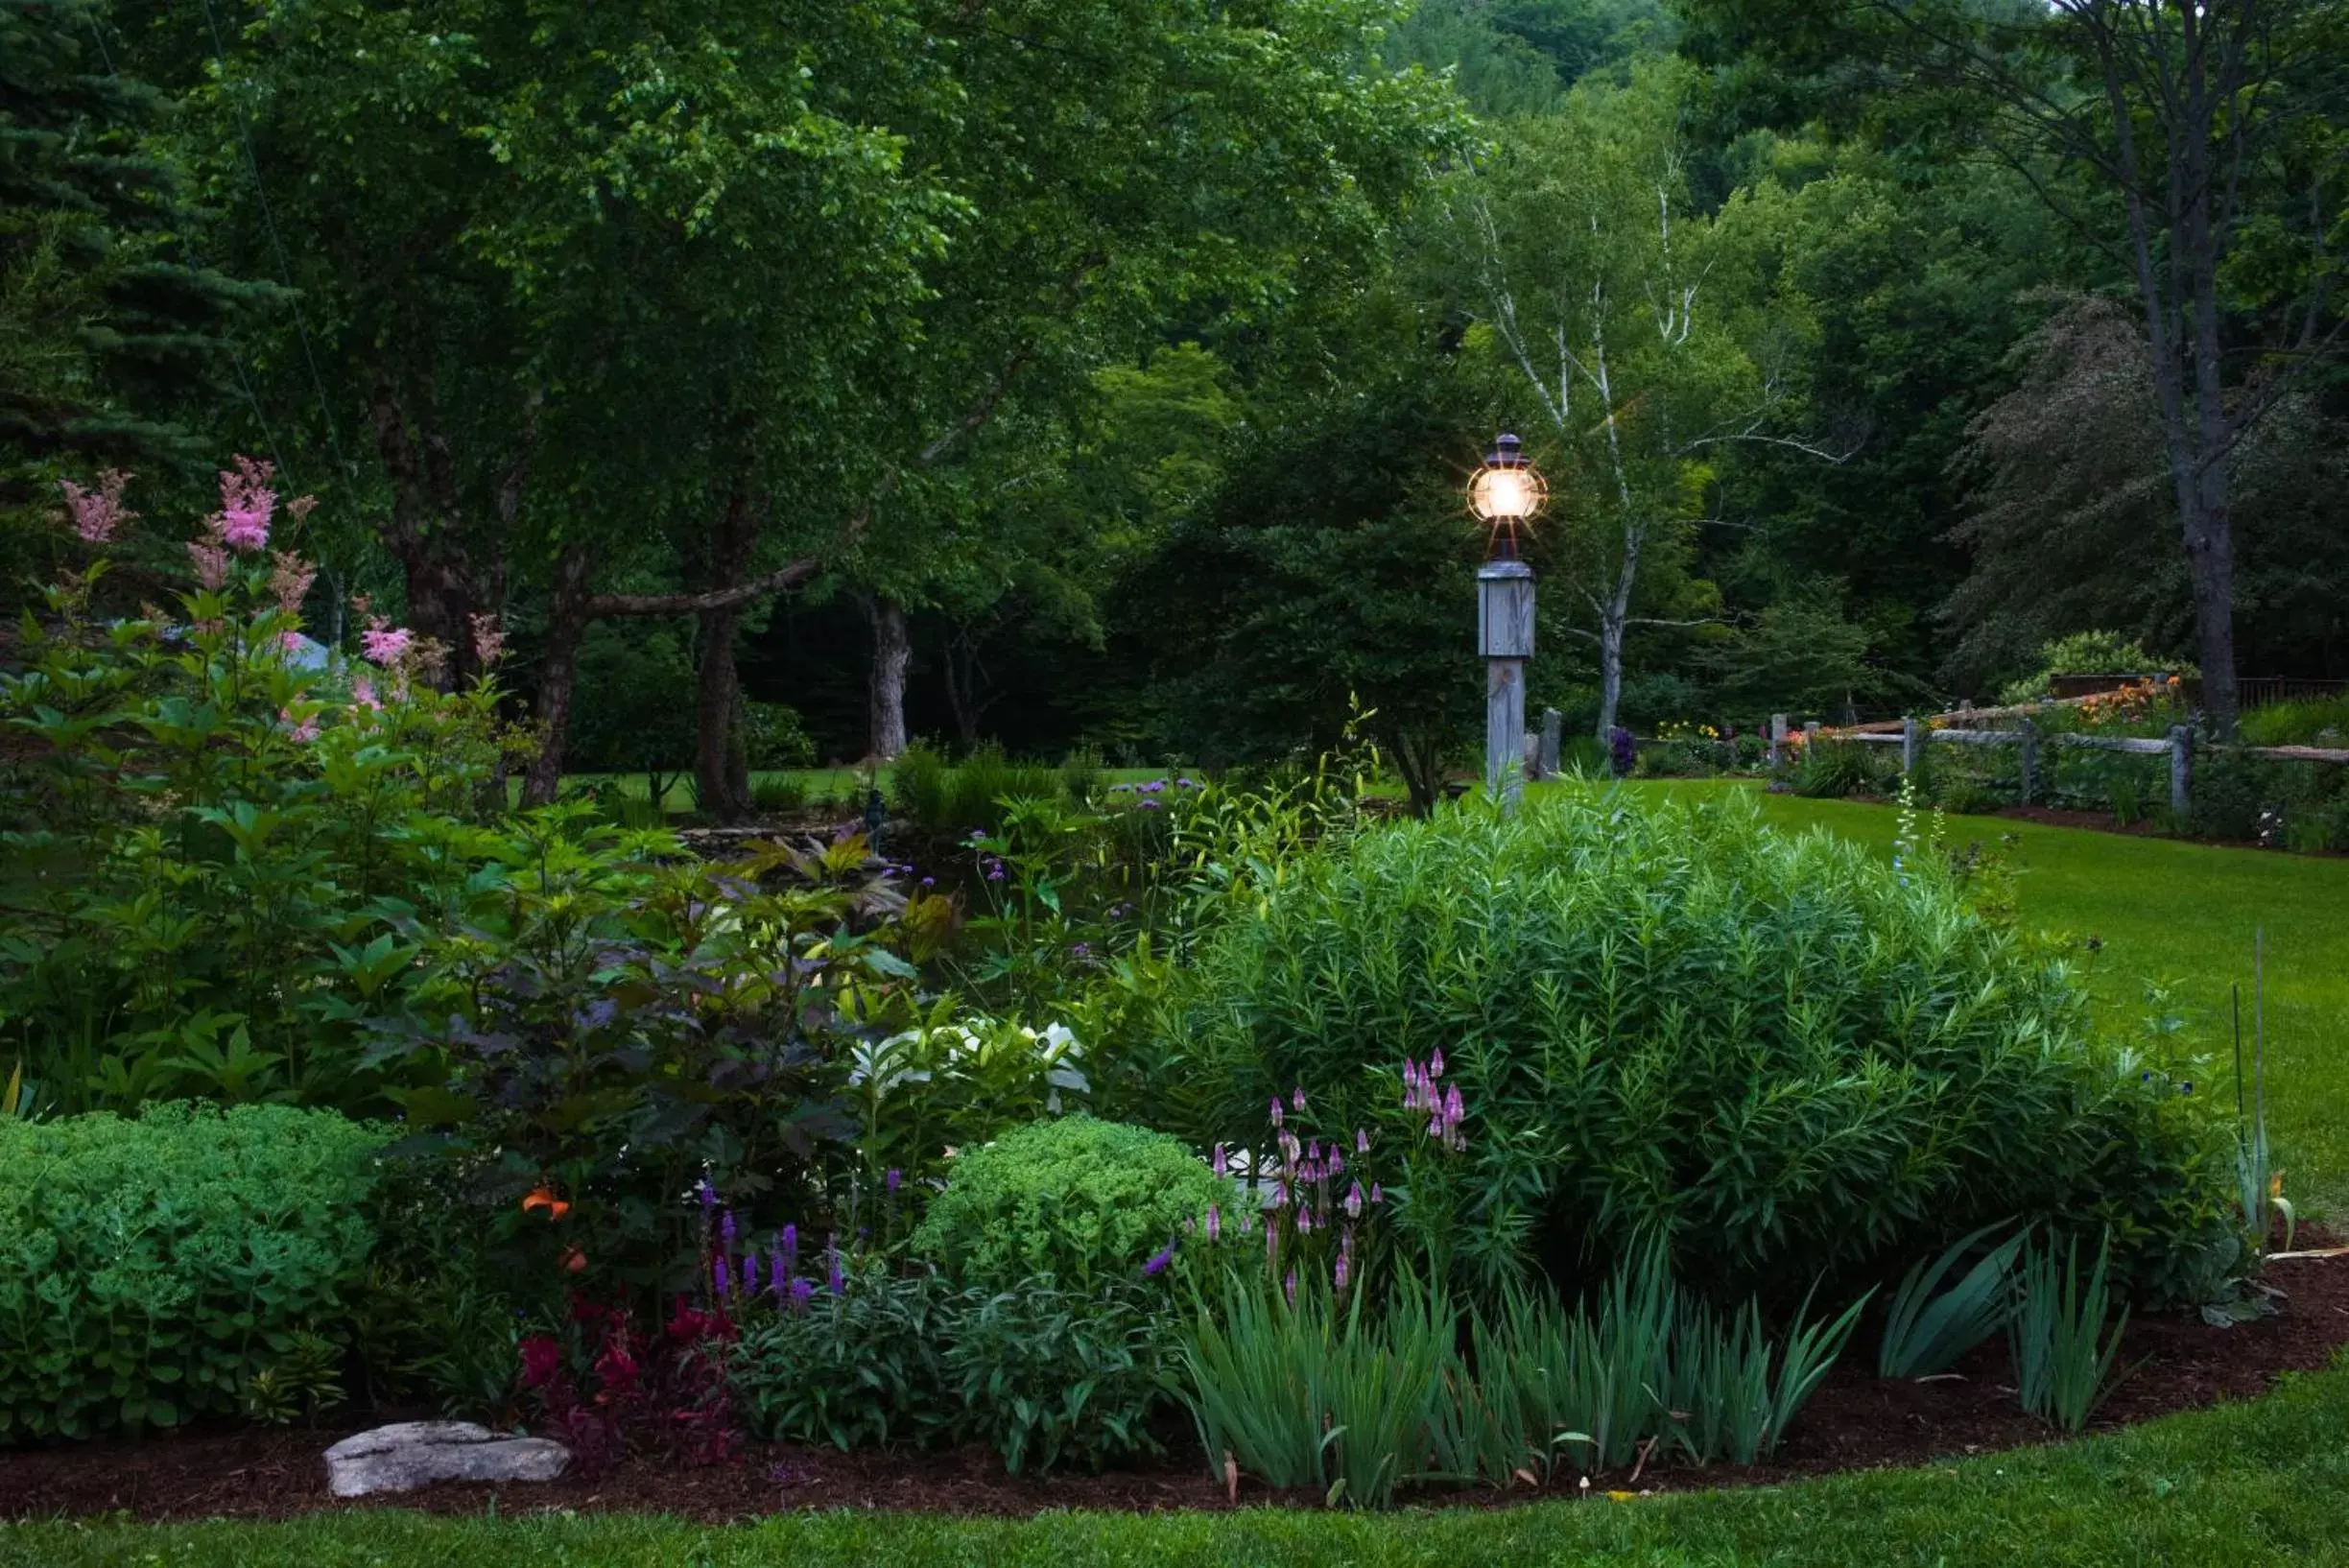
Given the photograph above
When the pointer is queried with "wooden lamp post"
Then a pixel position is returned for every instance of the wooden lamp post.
(1507, 495)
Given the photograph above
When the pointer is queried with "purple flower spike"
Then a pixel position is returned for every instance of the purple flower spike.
(708, 1194)
(839, 1282)
(1354, 1202)
(1452, 1109)
(892, 1180)
(1289, 1286)
(1221, 1164)
(722, 1278)
(726, 1229)
(801, 1291)
(1214, 1223)
(1436, 1063)
(1362, 1141)
(1297, 1099)
(776, 1273)
(1378, 1194)
(749, 1276)
(1339, 1274)
(1158, 1260)
(790, 1248)
(1276, 1110)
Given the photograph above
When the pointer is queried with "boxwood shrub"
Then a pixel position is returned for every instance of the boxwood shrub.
(1784, 1057)
(148, 1268)
(1080, 1199)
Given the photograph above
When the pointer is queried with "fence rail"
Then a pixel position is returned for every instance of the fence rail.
(1913, 735)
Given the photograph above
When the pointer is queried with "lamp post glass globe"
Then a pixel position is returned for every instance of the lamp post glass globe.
(1505, 493)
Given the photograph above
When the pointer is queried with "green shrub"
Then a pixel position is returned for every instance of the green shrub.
(1083, 1200)
(1042, 1374)
(2090, 654)
(1666, 1019)
(949, 799)
(150, 1270)
(1832, 770)
(2317, 721)
(779, 794)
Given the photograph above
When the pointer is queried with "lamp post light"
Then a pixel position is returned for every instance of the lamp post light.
(1507, 495)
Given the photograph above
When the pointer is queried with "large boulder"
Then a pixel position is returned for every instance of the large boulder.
(410, 1454)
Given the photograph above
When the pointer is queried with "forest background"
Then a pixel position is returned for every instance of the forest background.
(790, 381)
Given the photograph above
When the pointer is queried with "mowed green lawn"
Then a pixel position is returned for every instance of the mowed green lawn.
(2184, 913)
(2264, 1483)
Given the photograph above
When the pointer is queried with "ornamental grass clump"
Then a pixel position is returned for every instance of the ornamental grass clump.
(1669, 1022)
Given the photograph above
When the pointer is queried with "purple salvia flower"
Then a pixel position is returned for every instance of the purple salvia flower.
(1215, 1222)
(892, 1180)
(774, 1275)
(1158, 1260)
(721, 1277)
(749, 1276)
(709, 1196)
(839, 1282)
(726, 1229)
(801, 1291)
(791, 1248)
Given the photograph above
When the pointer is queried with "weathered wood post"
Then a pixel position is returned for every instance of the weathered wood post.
(2030, 757)
(1505, 635)
(1778, 734)
(1810, 729)
(1552, 740)
(2181, 769)
(1913, 744)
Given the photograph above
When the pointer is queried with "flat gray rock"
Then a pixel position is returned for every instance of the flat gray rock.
(407, 1454)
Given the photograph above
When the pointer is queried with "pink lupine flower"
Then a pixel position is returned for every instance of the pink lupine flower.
(1436, 1063)
(97, 513)
(385, 644)
(247, 504)
(1221, 1164)
(1354, 1202)
(1362, 1141)
(1214, 1223)
(1276, 1110)
(1297, 1099)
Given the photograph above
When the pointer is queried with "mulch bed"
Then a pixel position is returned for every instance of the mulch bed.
(1856, 1421)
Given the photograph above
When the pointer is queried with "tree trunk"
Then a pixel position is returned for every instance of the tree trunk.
(962, 678)
(722, 772)
(558, 675)
(893, 657)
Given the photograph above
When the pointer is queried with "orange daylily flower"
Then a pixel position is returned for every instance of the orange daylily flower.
(543, 1198)
(573, 1259)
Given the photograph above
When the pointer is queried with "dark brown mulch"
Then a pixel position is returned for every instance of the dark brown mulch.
(1856, 1421)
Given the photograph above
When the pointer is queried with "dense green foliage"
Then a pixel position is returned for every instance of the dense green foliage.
(150, 1270)
(1670, 1023)
(1046, 1376)
(1081, 1200)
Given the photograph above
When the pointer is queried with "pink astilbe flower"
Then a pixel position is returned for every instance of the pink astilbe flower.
(303, 733)
(290, 584)
(385, 644)
(288, 643)
(211, 562)
(488, 639)
(363, 693)
(97, 513)
(247, 505)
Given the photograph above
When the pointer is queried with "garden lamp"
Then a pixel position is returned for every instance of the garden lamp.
(1505, 493)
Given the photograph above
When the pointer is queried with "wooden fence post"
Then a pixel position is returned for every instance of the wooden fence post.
(1810, 729)
(1913, 744)
(1778, 734)
(2030, 758)
(1552, 739)
(2181, 768)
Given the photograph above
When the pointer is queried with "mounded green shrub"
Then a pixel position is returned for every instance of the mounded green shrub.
(150, 1269)
(1083, 1200)
(1784, 1055)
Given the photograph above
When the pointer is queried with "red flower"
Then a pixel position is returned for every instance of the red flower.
(542, 1360)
